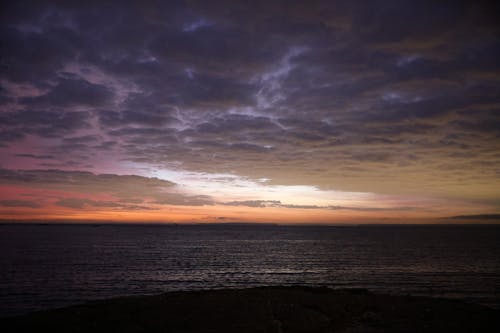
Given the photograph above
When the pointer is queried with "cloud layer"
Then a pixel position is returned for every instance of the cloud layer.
(391, 97)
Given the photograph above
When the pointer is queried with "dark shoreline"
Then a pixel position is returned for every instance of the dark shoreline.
(264, 309)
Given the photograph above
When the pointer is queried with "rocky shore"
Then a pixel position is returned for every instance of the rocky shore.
(267, 309)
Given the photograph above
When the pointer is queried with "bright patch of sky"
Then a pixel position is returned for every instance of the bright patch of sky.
(229, 187)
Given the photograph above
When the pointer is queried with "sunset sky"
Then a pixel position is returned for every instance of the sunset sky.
(249, 111)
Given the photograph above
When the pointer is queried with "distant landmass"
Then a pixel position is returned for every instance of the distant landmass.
(477, 217)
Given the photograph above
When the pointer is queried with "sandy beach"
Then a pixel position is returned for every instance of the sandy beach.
(266, 309)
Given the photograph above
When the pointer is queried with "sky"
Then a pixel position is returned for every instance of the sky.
(262, 111)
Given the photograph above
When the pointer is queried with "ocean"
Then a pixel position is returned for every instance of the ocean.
(49, 266)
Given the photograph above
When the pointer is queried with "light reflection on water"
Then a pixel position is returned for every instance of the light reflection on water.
(52, 266)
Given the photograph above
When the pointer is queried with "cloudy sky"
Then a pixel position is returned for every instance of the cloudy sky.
(263, 111)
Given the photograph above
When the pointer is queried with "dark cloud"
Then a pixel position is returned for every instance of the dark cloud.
(40, 157)
(235, 124)
(136, 117)
(78, 203)
(254, 203)
(72, 92)
(127, 189)
(43, 123)
(342, 95)
(216, 48)
(30, 55)
(139, 109)
(8, 136)
(20, 203)
(375, 209)
(125, 186)
(182, 200)
(278, 203)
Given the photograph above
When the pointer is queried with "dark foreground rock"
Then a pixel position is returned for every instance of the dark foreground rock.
(271, 309)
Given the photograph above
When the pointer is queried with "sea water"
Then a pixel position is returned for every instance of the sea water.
(47, 266)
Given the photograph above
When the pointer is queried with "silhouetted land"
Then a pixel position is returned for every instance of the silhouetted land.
(270, 309)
